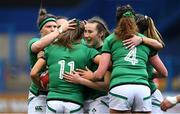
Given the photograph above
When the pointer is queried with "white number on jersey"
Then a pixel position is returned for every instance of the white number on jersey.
(131, 56)
(62, 67)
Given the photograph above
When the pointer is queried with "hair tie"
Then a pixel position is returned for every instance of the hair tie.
(146, 17)
(128, 14)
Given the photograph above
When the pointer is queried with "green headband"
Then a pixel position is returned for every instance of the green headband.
(42, 23)
(128, 14)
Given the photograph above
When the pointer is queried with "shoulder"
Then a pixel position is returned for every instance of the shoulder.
(111, 39)
(87, 48)
(32, 40)
(111, 36)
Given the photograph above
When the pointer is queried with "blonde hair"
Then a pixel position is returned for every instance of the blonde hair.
(152, 31)
(147, 27)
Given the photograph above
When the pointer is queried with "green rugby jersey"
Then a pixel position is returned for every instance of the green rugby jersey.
(152, 85)
(33, 59)
(129, 66)
(83, 41)
(60, 59)
(92, 93)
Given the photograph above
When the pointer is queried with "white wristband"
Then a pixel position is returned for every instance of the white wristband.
(172, 100)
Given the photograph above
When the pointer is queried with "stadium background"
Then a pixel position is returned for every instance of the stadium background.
(18, 25)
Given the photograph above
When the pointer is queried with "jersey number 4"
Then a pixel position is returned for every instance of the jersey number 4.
(131, 56)
(62, 67)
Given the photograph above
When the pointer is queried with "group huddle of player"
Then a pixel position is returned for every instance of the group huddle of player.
(80, 67)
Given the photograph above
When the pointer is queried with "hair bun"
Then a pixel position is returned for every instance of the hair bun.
(42, 12)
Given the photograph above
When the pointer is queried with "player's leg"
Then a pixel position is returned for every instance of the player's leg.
(37, 104)
(121, 99)
(142, 100)
(157, 98)
(73, 108)
(55, 107)
(86, 105)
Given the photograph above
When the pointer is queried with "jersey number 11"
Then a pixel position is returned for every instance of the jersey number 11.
(62, 67)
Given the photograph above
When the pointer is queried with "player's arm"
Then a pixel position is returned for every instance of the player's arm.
(105, 83)
(178, 98)
(44, 41)
(152, 43)
(159, 66)
(103, 66)
(99, 85)
(35, 72)
(97, 59)
(88, 74)
(104, 62)
(137, 40)
(49, 38)
(75, 78)
(169, 102)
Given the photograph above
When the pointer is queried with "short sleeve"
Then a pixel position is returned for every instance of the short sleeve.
(31, 42)
(107, 43)
(92, 53)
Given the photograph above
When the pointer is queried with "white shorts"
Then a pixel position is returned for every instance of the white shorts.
(156, 98)
(130, 97)
(98, 106)
(36, 104)
(60, 107)
(86, 105)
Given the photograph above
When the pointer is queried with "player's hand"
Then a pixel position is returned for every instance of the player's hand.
(84, 22)
(167, 103)
(40, 54)
(69, 25)
(132, 42)
(73, 77)
(87, 74)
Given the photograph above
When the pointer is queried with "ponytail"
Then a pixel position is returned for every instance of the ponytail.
(126, 26)
(152, 32)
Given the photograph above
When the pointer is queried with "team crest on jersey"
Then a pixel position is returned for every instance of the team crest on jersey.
(38, 108)
(94, 110)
